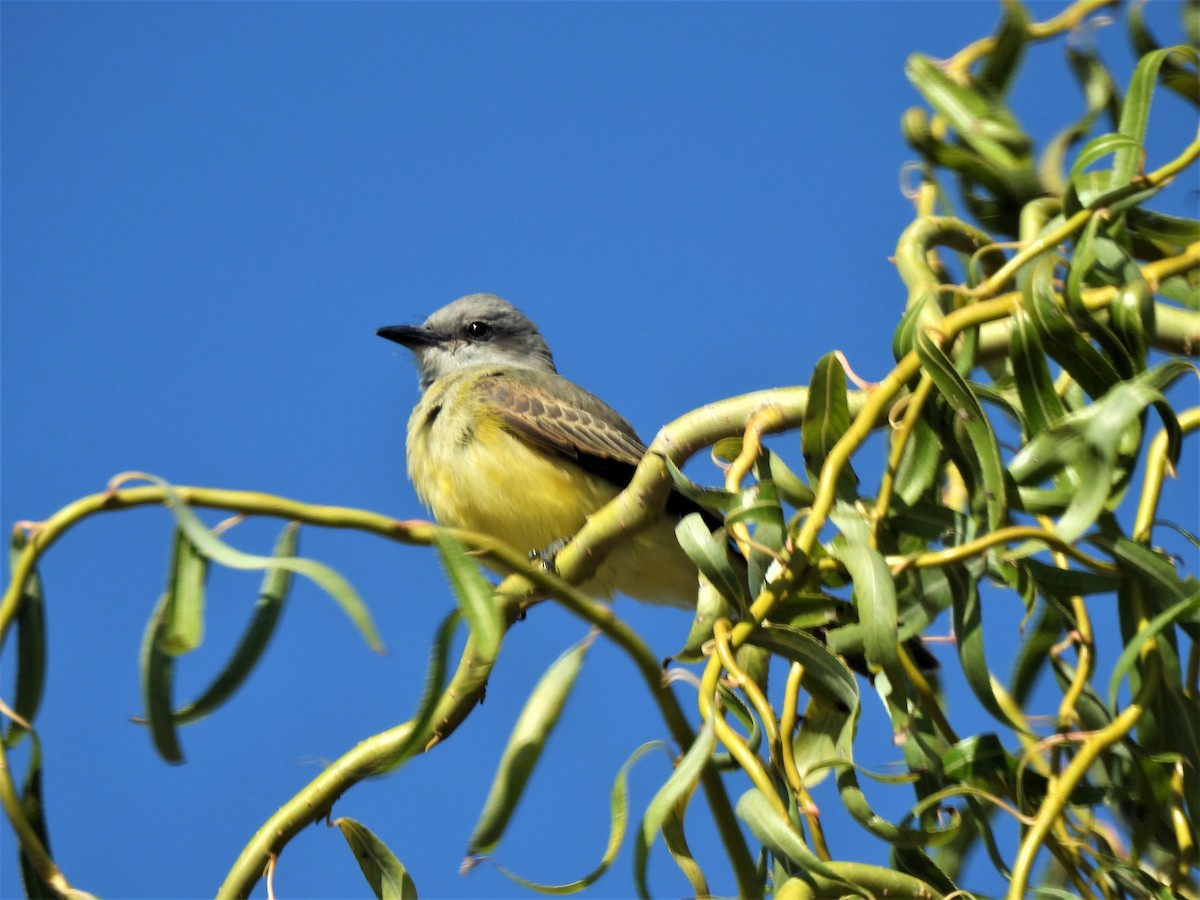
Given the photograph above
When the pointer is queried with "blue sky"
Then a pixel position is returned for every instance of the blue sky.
(208, 209)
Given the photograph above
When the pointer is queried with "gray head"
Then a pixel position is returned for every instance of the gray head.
(478, 329)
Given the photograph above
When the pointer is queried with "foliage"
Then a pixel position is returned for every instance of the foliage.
(1030, 431)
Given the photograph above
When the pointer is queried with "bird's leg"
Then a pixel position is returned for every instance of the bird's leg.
(547, 555)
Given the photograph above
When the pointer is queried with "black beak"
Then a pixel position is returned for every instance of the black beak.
(411, 336)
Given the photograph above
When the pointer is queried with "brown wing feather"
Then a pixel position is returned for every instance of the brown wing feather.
(546, 409)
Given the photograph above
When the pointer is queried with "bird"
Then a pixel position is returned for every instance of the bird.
(500, 443)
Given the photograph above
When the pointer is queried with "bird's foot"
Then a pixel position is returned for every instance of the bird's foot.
(547, 555)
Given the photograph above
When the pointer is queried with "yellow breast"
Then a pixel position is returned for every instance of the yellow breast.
(475, 474)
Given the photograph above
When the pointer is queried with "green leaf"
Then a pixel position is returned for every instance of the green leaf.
(1094, 441)
(1177, 611)
(791, 487)
(31, 645)
(1135, 112)
(1040, 403)
(720, 501)
(1092, 263)
(711, 605)
(967, 618)
(183, 617)
(982, 124)
(1062, 584)
(981, 446)
(435, 683)
(976, 760)
(384, 873)
(209, 546)
(824, 673)
(825, 733)
(1173, 230)
(710, 553)
(760, 511)
(33, 808)
(681, 784)
(1096, 149)
(874, 589)
(619, 810)
(681, 853)
(1091, 370)
(1182, 721)
(826, 419)
(1153, 570)
(538, 718)
(473, 592)
(271, 597)
(1132, 317)
(158, 675)
(780, 836)
(920, 463)
(1100, 92)
(1008, 47)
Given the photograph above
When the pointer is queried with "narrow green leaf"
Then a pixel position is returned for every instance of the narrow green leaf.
(982, 448)
(826, 419)
(271, 597)
(1182, 722)
(1132, 319)
(792, 488)
(911, 861)
(920, 463)
(1089, 264)
(780, 837)
(1008, 47)
(384, 872)
(209, 546)
(681, 784)
(824, 673)
(473, 592)
(718, 500)
(1173, 230)
(1090, 369)
(761, 512)
(1181, 609)
(1098, 442)
(967, 617)
(1100, 92)
(711, 605)
(1062, 584)
(435, 683)
(983, 125)
(874, 589)
(31, 646)
(538, 718)
(825, 733)
(619, 810)
(158, 674)
(34, 809)
(677, 845)
(183, 617)
(1135, 112)
(1039, 401)
(1094, 150)
(1153, 570)
(710, 553)
(855, 802)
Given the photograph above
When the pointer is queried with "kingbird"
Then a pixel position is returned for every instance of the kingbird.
(500, 443)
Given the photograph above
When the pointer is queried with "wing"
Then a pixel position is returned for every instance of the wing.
(546, 409)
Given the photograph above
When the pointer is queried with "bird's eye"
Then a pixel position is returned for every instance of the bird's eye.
(479, 331)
